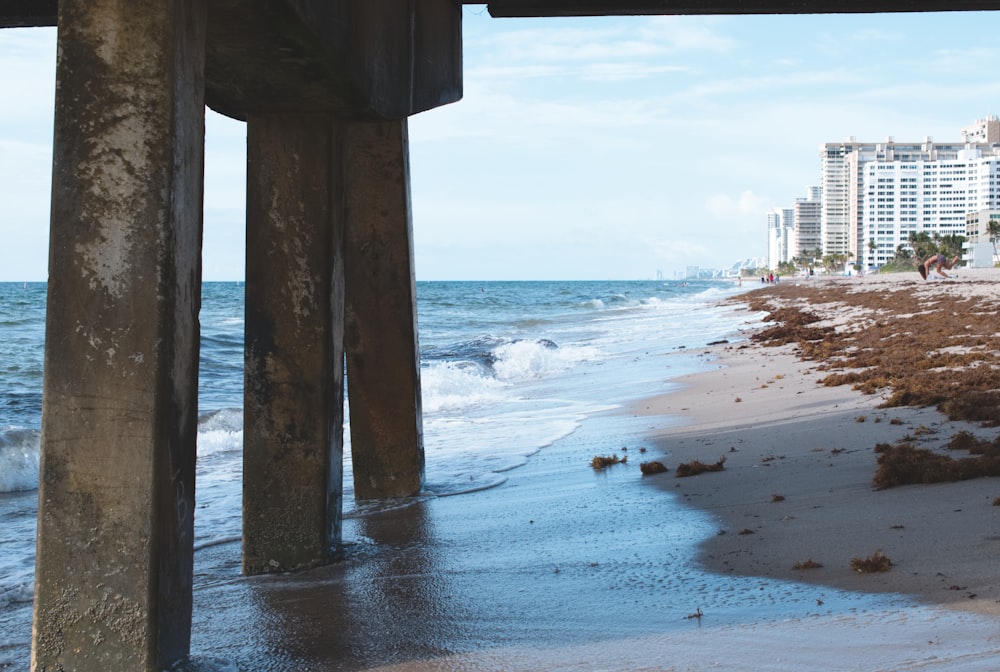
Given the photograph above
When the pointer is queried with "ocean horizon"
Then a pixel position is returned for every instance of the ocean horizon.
(507, 369)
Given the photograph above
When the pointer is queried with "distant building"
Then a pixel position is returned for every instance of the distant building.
(749, 264)
(901, 197)
(838, 176)
(977, 224)
(980, 251)
(780, 236)
(808, 213)
(843, 172)
(983, 132)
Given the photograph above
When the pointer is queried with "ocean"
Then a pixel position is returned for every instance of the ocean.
(508, 369)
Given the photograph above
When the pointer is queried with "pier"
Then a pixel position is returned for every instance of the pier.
(325, 88)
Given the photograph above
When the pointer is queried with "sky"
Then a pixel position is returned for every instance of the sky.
(588, 148)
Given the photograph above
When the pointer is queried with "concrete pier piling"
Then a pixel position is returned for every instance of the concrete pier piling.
(326, 88)
(383, 355)
(116, 497)
(328, 213)
(293, 371)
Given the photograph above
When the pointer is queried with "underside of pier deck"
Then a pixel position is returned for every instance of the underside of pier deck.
(15, 13)
(526, 8)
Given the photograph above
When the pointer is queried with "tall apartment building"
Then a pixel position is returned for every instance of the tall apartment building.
(780, 236)
(843, 175)
(795, 231)
(901, 197)
(809, 223)
(837, 175)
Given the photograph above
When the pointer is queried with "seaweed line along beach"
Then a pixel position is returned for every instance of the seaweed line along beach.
(522, 556)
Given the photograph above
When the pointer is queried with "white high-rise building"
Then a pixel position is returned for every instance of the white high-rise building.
(842, 175)
(837, 175)
(901, 197)
(780, 236)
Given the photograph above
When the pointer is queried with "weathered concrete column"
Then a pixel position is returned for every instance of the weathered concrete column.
(119, 422)
(383, 356)
(294, 362)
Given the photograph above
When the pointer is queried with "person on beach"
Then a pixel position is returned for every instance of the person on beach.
(942, 262)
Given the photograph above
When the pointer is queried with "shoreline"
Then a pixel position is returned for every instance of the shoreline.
(563, 567)
(568, 568)
(797, 483)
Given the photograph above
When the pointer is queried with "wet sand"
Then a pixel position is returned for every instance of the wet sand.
(561, 568)
(564, 567)
(797, 486)
(801, 459)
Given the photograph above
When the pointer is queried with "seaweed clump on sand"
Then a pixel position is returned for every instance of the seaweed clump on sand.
(876, 562)
(976, 406)
(914, 347)
(905, 464)
(964, 440)
(941, 351)
(696, 467)
(652, 467)
(604, 461)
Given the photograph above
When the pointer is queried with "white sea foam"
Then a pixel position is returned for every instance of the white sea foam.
(456, 385)
(19, 451)
(525, 359)
(465, 454)
(221, 431)
(20, 448)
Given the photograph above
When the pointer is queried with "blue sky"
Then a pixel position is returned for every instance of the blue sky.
(589, 148)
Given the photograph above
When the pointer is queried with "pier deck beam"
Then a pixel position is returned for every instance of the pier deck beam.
(113, 572)
(539, 8)
(293, 398)
(383, 356)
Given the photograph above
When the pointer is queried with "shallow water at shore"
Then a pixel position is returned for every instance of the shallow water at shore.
(507, 368)
(561, 567)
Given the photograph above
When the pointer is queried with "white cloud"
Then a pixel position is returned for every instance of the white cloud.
(600, 39)
(688, 33)
(617, 72)
(724, 206)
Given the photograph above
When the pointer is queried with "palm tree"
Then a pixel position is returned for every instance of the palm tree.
(832, 262)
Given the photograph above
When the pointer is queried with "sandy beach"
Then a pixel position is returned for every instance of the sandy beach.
(800, 461)
(567, 567)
